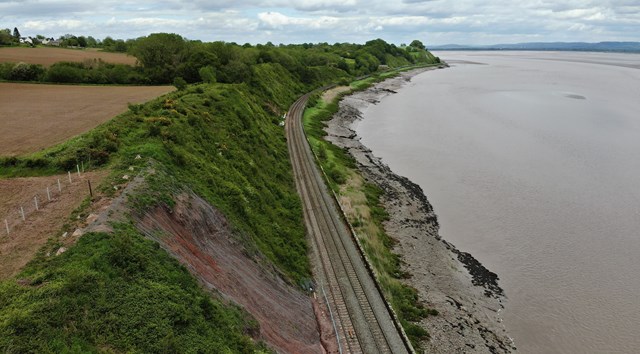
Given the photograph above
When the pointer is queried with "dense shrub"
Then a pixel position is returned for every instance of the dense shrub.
(65, 73)
(116, 293)
(25, 72)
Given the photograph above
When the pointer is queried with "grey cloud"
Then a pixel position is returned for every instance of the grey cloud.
(463, 21)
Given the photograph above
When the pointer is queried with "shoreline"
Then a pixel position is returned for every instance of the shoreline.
(465, 293)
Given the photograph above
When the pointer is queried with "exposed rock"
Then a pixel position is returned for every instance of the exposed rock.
(91, 218)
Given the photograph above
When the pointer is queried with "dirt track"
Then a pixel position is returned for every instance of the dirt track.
(49, 56)
(364, 324)
(26, 237)
(33, 117)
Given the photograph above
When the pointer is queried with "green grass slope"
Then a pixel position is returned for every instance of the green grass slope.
(119, 292)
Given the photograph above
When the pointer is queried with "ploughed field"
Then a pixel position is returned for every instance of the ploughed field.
(27, 236)
(49, 56)
(34, 117)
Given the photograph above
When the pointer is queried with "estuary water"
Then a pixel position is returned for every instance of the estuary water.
(532, 163)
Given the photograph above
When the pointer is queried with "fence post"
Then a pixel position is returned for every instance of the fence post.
(59, 187)
(22, 212)
(35, 199)
(78, 167)
(6, 223)
(48, 194)
(69, 172)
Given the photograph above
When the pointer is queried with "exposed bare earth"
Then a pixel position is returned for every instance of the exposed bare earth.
(330, 94)
(200, 238)
(34, 116)
(27, 237)
(465, 293)
(49, 56)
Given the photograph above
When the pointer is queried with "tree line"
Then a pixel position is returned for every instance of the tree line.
(165, 58)
(13, 38)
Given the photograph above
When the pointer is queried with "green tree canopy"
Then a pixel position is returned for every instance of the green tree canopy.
(5, 37)
(160, 54)
(417, 44)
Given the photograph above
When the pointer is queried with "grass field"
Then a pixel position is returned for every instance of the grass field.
(33, 117)
(49, 56)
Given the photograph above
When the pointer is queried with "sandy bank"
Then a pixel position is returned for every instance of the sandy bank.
(465, 293)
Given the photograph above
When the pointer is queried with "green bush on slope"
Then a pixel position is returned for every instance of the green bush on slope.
(116, 293)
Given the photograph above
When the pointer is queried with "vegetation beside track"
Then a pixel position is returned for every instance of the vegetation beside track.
(366, 212)
(224, 141)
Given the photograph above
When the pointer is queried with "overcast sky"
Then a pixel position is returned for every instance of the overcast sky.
(297, 21)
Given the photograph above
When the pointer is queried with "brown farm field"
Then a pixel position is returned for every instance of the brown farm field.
(34, 117)
(28, 236)
(49, 56)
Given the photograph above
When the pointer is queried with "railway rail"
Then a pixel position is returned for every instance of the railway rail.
(363, 322)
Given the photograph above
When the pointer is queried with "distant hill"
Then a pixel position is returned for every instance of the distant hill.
(633, 47)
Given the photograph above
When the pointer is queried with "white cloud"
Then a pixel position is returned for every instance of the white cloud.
(433, 21)
(66, 25)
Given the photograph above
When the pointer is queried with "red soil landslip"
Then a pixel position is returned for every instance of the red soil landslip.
(200, 238)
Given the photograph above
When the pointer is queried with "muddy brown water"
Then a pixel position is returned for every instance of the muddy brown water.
(532, 163)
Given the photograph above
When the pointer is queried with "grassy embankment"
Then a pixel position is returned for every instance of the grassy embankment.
(119, 292)
(365, 212)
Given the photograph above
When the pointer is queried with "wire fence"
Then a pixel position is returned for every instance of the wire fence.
(46, 195)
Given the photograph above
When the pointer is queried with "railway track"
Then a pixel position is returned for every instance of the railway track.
(363, 322)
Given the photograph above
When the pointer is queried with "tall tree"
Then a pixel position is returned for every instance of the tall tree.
(160, 54)
(417, 44)
(16, 33)
(5, 37)
(92, 42)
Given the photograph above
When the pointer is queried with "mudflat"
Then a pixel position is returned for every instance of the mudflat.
(465, 293)
(531, 162)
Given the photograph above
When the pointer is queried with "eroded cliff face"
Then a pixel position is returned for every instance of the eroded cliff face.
(200, 238)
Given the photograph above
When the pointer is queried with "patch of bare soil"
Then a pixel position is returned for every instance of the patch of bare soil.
(47, 56)
(330, 94)
(27, 236)
(34, 117)
(465, 293)
(200, 237)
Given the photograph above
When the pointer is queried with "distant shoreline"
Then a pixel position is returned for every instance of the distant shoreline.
(465, 49)
(603, 47)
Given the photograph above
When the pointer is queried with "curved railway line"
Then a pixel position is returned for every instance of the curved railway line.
(363, 322)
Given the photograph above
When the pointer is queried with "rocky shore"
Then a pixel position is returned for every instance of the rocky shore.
(465, 293)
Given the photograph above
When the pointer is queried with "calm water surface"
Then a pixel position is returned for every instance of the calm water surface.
(532, 163)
